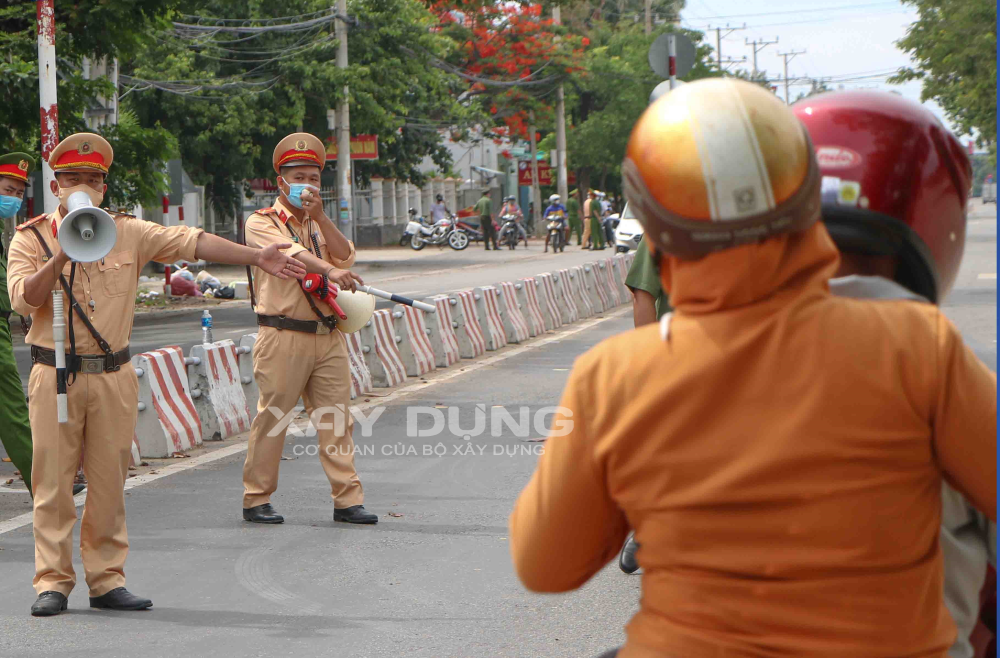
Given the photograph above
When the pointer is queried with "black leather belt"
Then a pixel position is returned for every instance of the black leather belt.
(86, 363)
(304, 326)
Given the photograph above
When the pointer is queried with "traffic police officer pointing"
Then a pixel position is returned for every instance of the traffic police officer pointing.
(298, 351)
(103, 389)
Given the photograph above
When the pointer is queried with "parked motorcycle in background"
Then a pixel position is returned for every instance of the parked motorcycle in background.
(556, 234)
(508, 231)
(441, 232)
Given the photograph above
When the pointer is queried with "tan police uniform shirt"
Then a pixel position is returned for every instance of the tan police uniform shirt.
(109, 283)
(284, 296)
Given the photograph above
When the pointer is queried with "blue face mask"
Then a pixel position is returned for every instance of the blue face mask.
(295, 193)
(9, 205)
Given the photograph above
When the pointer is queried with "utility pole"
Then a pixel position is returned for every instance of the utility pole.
(49, 109)
(719, 36)
(649, 17)
(562, 179)
(757, 47)
(536, 192)
(344, 191)
(788, 57)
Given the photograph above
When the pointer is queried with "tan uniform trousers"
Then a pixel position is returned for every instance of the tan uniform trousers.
(102, 413)
(586, 230)
(289, 364)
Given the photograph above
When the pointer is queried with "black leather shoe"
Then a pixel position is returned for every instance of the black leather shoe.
(262, 514)
(48, 604)
(120, 599)
(355, 514)
(77, 488)
(627, 561)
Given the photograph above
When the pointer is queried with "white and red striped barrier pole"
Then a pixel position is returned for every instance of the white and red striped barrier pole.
(217, 390)
(48, 105)
(168, 421)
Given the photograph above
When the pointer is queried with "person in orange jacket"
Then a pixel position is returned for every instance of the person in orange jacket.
(789, 502)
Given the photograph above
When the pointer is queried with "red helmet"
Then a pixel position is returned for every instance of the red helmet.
(895, 182)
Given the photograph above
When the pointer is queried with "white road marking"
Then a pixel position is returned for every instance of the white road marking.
(988, 275)
(235, 449)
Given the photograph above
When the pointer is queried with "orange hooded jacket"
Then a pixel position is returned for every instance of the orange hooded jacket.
(780, 456)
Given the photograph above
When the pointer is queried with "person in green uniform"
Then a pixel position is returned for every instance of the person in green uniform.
(484, 208)
(596, 227)
(15, 432)
(650, 301)
(573, 212)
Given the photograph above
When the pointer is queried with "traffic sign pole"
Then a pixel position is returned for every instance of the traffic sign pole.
(673, 60)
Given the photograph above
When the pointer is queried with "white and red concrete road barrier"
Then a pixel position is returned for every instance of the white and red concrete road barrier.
(218, 391)
(244, 352)
(441, 331)
(595, 284)
(361, 377)
(567, 305)
(490, 321)
(578, 285)
(548, 294)
(167, 421)
(468, 329)
(386, 364)
(414, 344)
(527, 295)
(514, 325)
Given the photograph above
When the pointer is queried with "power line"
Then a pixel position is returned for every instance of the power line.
(803, 11)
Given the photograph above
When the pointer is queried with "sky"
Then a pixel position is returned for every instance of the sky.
(840, 38)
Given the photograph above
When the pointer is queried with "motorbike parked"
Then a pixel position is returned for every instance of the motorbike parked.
(441, 232)
(472, 230)
(508, 231)
(556, 235)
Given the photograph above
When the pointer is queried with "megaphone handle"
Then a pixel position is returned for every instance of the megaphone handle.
(331, 300)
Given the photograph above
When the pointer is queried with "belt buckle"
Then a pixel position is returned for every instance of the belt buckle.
(322, 329)
(91, 366)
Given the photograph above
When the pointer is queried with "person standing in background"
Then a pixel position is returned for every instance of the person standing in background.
(573, 213)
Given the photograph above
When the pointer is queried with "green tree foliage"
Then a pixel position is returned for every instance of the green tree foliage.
(606, 98)
(257, 88)
(86, 28)
(954, 46)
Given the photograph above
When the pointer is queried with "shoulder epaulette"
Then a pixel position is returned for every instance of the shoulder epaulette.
(31, 222)
(123, 215)
(268, 211)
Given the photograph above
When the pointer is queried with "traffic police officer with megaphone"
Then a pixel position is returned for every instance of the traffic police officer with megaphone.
(94, 259)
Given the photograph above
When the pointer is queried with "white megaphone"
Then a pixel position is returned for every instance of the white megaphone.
(87, 233)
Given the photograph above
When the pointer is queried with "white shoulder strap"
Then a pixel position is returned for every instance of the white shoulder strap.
(665, 326)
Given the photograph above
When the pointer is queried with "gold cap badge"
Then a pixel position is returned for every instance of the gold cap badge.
(85, 148)
(23, 165)
(300, 145)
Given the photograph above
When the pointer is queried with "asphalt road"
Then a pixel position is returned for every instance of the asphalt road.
(436, 580)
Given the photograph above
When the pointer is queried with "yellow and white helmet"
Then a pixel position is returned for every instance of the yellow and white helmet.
(718, 163)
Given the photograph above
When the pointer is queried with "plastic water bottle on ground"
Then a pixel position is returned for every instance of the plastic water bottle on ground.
(206, 327)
